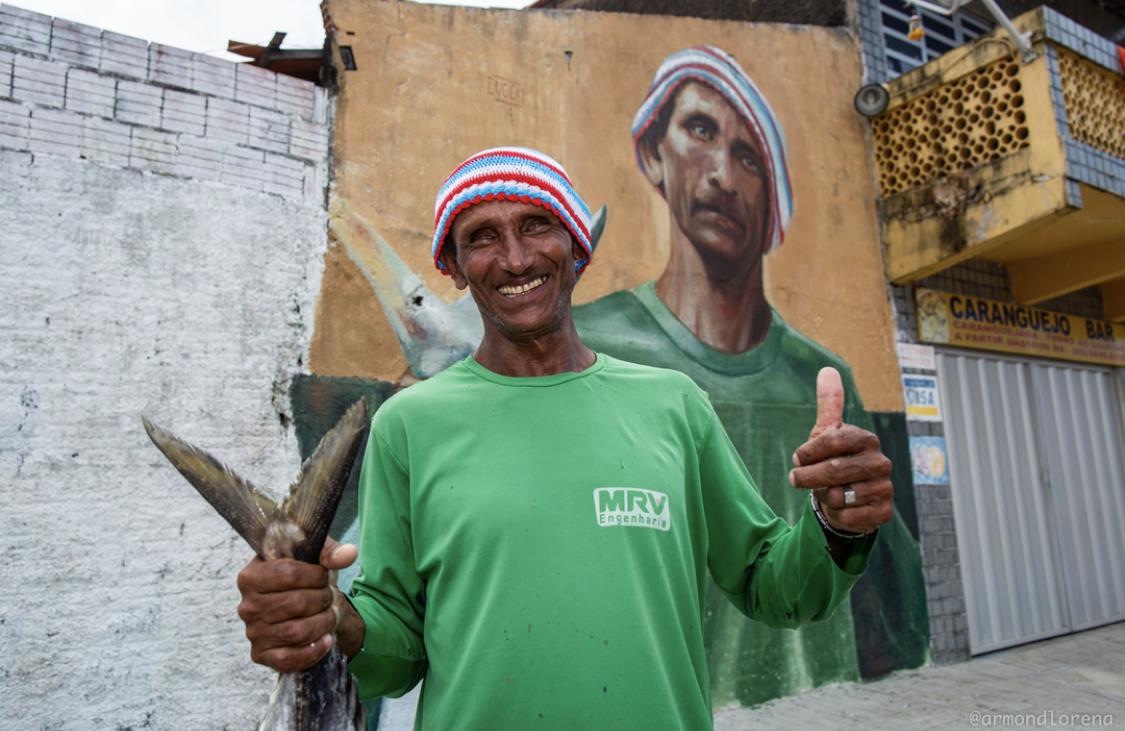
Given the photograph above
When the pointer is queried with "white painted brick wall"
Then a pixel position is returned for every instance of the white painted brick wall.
(76, 44)
(140, 187)
(106, 141)
(55, 132)
(89, 92)
(167, 65)
(23, 30)
(126, 294)
(243, 166)
(143, 192)
(199, 157)
(124, 55)
(308, 140)
(153, 151)
(6, 60)
(184, 112)
(14, 123)
(39, 81)
(269, 130)
(139, 103)
(212, 76)
(255, 85)
(227, 120)
(80, 92)
(295, 96)
(284, 176)
(321, 105)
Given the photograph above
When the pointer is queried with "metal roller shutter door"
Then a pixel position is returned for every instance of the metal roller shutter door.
(1037, 469)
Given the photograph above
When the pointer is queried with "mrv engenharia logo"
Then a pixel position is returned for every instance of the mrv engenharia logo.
(631, 506)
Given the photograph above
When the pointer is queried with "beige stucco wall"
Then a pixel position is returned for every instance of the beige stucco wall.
(434, 84)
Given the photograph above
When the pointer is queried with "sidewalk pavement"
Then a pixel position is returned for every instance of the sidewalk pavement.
(1048, 684)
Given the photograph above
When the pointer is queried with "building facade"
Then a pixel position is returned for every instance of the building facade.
(1001, 183)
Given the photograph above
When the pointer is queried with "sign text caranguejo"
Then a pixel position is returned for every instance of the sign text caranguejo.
(1007, 327)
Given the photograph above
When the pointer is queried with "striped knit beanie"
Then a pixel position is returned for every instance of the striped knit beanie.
(516, 174)
(718, 69)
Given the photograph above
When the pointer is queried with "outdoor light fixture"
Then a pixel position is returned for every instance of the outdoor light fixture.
(871, 100)
(949, 7)
(916, 32)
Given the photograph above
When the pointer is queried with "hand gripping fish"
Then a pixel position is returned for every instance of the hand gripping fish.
(322, 698)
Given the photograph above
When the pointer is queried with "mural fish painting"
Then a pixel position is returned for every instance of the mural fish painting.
(433, 334)
(322, 698)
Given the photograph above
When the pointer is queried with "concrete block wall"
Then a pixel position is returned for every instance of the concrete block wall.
(80, 92)
(941, 561)
(162, 233)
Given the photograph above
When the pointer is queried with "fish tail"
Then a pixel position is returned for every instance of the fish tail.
(244, 506)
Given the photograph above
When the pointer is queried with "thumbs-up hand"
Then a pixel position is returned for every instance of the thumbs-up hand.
(829, 402)
(842, 464)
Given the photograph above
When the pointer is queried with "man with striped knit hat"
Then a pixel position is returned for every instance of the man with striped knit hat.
(710, 144)
(538, 520)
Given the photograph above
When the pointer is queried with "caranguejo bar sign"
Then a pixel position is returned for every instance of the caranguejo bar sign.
(1007, 327)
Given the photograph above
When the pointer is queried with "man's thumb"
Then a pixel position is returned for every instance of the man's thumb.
(829, 401)
(335, 556)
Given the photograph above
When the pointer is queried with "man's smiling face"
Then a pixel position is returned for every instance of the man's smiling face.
(517, 260)
(713, 175)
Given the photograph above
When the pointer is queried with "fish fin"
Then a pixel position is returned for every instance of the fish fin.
(597, 227)
(313, 498)
(244, 506)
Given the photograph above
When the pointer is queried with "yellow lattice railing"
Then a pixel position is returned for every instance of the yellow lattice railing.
(1095, 103)
(962, 124)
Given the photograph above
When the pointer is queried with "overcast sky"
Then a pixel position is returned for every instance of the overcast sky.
(206, 25)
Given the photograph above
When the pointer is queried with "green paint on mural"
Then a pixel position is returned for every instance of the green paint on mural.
(318, 402)
(890, 426)
(892, 635)
(766, 399)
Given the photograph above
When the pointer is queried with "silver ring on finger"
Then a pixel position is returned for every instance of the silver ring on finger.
(849, 495)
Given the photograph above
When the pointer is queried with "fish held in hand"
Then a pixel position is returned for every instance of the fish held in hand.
(322, 697)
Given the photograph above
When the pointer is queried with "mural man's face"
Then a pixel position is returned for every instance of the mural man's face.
(713, 174)
(517, 260)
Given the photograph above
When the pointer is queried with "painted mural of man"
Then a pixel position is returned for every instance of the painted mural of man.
(707, 140)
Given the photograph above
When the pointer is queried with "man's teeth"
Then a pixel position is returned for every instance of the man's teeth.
(512, 290)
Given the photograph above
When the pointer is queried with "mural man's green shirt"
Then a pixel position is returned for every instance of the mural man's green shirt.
(537, 549)
(766, 400)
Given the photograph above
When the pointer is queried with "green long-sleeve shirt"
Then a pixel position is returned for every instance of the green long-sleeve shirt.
(537, 549)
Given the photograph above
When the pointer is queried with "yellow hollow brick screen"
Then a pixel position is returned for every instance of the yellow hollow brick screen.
(962, 124)
(1095, 103)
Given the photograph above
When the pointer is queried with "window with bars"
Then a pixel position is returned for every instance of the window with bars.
(942, 34)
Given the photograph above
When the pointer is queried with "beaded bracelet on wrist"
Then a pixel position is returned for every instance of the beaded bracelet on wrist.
(828, 526)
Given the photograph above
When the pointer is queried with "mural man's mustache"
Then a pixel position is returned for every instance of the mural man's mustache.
(723, 205)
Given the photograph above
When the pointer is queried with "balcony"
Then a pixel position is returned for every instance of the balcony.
(981, 154)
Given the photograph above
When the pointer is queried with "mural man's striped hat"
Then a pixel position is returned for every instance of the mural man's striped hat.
(515, 174)
(718, 70)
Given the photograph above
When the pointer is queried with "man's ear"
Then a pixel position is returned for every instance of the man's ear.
(448, 257)
(576, 250)
(651, 163)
